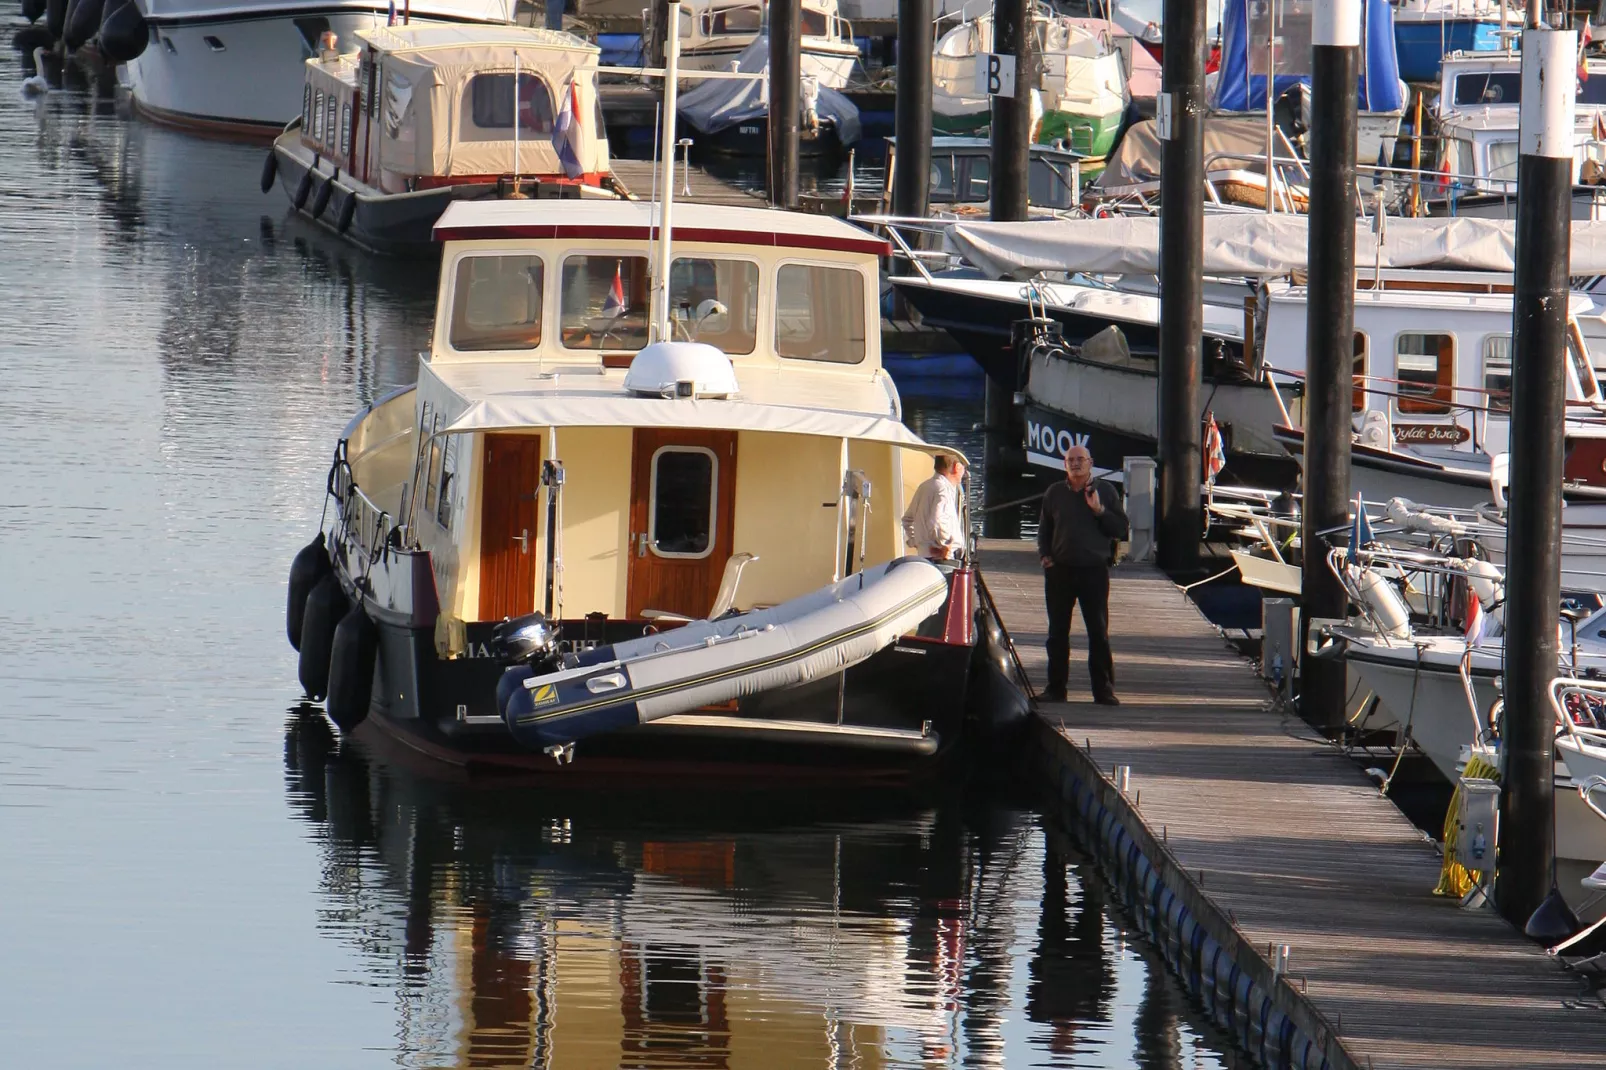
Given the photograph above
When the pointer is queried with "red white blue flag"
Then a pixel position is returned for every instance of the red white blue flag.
(614, 306)
(1215, 452)
(566, 133)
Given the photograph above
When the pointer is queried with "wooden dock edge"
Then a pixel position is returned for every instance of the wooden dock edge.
(1233, 982)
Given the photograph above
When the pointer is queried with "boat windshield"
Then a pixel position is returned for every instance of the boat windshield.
(496, 303)
(604, 302)
(1505, 87)
(819, 313)
(715, 301)
(733, 20)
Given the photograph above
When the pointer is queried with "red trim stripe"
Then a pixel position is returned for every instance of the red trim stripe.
(771, 239)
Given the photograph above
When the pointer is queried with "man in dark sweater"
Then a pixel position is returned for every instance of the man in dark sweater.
(1080, 523)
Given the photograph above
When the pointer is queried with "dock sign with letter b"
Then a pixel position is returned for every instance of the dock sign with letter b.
(995, 74)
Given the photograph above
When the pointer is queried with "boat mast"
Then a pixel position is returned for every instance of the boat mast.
(659, 331)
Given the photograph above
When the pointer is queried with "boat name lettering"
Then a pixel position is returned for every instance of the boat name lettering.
(565, 646)
(1044, 439)
(1431, 434)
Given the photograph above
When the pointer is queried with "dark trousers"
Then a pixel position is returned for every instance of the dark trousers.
(1064, 586)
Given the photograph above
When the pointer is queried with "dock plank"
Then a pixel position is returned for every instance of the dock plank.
(1284, 832)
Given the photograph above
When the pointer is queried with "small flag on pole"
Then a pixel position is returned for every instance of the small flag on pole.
(566, 133)
(1360, 532)
(614, 306)
(1477, 622)
(1215, 453)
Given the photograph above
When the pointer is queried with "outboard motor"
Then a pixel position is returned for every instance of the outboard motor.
(527, 645)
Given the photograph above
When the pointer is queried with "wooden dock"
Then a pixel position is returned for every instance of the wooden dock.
(1286, 841)
(636, 177)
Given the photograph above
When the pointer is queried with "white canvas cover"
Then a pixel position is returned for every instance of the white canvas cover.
(425, 120)
(1251, 245)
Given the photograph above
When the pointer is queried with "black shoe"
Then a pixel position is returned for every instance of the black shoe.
(1107, 699)
(1053, 694)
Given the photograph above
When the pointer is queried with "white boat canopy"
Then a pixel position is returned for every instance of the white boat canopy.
(1252, 245)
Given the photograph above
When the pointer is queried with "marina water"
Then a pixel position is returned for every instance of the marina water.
(195, 874)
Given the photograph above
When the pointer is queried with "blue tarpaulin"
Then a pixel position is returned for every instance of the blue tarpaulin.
(1241, 81)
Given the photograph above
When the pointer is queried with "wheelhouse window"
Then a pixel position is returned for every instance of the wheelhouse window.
(1424, 364)
(604, 300)
(1488, 88)
(977, 181)
(814, 23)
(1503, 160)
(942, 179)
(496, 303)
(685, 489)
(1049, 184)
(1358, 375)
(1497, 371)
(733, 20)
(715, 301)
(492, 105)
(819, 313)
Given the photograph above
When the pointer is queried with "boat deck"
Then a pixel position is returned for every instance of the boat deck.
(1293, 844)
(636, 175)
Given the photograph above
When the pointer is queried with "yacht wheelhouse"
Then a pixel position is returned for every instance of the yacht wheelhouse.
(713, 33)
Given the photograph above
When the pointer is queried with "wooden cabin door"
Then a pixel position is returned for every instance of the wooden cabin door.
(510, 503)
(682, 509)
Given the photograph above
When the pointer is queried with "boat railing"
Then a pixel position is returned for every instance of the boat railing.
(360, 523)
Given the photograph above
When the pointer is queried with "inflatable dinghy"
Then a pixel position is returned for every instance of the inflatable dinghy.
(712, 661)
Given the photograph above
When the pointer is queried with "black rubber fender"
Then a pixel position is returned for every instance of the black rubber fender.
(123, 32)
(321, 200)
(83, 22)
(348, 210)
(28, 38)
(352, 657)
(303, 190)
(270, 171)
(326, 608)
(311, 564)
(33, 10)
(56, 18)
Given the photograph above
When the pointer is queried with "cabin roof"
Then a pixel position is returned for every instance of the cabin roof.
(424, 37)
(637, 220)
(507, 396)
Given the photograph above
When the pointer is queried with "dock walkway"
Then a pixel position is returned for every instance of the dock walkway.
(1293, 844)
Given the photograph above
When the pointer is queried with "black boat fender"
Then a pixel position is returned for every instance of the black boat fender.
(270, 171)
(326, 608)
(303, 189)
(351, 670)
(348, 210)
(28, 38)
(123, 32)
(321, 201)
(33, 9)
(311, 564)
(83, 22)
(56, 18)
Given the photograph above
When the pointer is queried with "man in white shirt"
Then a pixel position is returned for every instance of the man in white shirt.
(932, 525)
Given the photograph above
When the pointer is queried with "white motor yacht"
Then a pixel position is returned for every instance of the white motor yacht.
(237, 66)
(714, 34)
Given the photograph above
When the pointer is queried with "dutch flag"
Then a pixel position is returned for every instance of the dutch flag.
(566, 133)
(614, 306)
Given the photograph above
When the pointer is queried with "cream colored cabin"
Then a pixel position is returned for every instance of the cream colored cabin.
(542, 307)
(434, 104)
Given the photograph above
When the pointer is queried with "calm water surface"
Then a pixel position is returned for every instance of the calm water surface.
(194, 874)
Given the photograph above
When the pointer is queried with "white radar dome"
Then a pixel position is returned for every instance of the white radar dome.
(681, 370)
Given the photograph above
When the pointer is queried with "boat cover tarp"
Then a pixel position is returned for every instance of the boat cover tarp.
(1241, 82)
(1251, 245)
(428, 99)
(620, 410)
(716, 104)
(1137, 158)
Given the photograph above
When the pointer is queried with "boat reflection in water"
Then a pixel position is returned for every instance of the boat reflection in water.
(544, 928)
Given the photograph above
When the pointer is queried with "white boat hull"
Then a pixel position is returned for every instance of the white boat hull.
(242, 74)
(832, 66)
